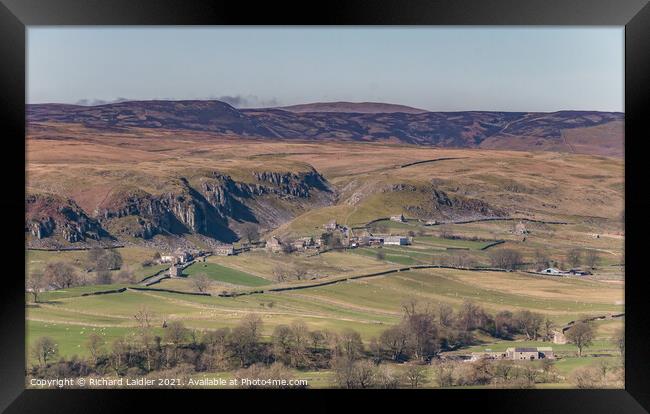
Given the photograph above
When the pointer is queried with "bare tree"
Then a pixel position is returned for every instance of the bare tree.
(619, 340)
(380, 255)
(104, 259)
(585, 377)
(253, 323)
(44, 350)
(176, 333)
(93, 256)
(416, 375)
(542, 260)
(287, 246)
(244, 338)
(118, 355)
(548, 329)
(530, 323)
(317, 339)
(393, 342)
(250, 232)
(574, 257)
(110, 260)
(459, 259)
(581, 335)
(505, 258)
(126, 276)
(354, 374)
(280, 273)
(444, 373)
(35, 284)
(592, 258)
(385, 378)
(469, 316)
(143, 317)
(445, 315)
(104, 277)
(201, 282)
(300, 273)
(60, 275)
(349, 345)
(95, 344)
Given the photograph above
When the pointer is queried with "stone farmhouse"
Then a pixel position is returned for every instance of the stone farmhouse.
(399, 218)
(274, 244)
(559, 337)
(179, 256)
(175, 271)
(516, 354)
(225, 250)
(331, 225)
(304, 243)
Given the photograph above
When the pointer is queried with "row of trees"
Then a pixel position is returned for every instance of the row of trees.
(285, 272)
(423, 332)
(99, 259)
(511, 259)
(419, 337)
(61, 275)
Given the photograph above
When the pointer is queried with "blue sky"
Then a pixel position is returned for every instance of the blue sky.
(435, 68)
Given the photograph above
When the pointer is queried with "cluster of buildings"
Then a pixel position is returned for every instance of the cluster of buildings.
(275, 245)
(178, 257)
(516, 354)
(347, 240)
(379, 240)
(557, 272)
(230, 249)
(399, 218)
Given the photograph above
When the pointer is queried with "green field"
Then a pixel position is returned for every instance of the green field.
(71, 339)
(451, 243)
(225, 274)
(368, 305)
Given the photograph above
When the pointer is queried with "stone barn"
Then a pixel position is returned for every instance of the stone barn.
(175, 271)
(274, 244)
(518, 354)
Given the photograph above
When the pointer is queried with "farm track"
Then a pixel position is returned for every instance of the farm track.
(429, 161)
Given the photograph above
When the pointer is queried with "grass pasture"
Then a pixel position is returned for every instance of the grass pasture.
(585, 191)
(225, 274)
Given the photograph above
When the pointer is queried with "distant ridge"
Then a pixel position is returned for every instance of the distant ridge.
(353, 107)
(586, 132)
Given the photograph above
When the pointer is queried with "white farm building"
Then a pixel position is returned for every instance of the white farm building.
(553, 271)
(396, 240)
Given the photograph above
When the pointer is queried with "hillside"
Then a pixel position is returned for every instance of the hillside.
(355, 122)
(147, 184)
(145, 179)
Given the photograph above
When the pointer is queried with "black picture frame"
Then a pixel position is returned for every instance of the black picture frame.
(15, 15)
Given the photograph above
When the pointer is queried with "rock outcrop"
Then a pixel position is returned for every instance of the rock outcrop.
(211, 204)
(436, 203)
(49, 215)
